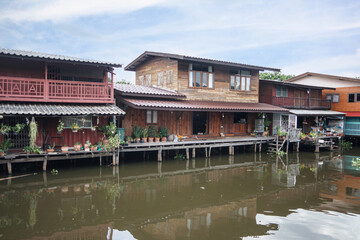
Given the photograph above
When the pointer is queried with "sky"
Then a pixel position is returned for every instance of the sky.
(296, 36)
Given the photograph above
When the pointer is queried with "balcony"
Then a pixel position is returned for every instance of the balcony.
(42, 90)
(301, 103)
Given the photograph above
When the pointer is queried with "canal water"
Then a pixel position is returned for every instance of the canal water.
(246, 196)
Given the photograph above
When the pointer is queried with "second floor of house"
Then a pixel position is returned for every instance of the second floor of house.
(198, 78)
(36, 77)
(344, 99)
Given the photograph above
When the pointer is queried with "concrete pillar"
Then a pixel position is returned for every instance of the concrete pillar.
(209, 151)
(100, 160)
(193, 152)
(160, 155)
(255, 147)
(187, 154)
(260, 147)
(206, 153)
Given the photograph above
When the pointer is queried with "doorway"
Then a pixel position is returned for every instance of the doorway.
(199, 123)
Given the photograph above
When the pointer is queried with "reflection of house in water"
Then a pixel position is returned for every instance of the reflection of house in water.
(285, 175)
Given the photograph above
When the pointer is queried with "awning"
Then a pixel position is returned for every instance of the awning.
(352, 114)
(316, 113)
(192, 105)
(58, 109)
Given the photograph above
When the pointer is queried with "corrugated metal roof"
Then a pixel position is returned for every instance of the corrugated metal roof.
(202, 106)
(316, 113)
(58, 109)
(134, 90)
(31, 54)
(143, 57)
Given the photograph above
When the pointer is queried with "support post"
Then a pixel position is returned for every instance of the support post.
(297, 146)
(114, 158)
(277, 145)
(206, 153)
(45, 163)
(9, 167)
(209, 151)
(287, 146)
(255, 147)
(160, 155)
(187, 154)
(193, 152)
(260, 147)
(100, 160)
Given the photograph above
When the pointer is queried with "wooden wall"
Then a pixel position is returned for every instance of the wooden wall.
(21, 68)
(266, 92)
(343, 104)
(221, 91)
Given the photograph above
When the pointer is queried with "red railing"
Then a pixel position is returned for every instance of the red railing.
(299, 103)
(30, 89)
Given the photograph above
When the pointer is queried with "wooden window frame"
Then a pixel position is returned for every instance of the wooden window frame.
(201, 82)
(281, 91)
(354, 97)
(240, 85)
(152, 117)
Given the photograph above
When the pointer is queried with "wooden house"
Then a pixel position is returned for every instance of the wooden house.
(306, 106)
(193, 96)
(343, 92)
(51, 88)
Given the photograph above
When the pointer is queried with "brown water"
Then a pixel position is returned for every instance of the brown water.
(304, 196)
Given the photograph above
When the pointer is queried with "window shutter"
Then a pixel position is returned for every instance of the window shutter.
(169, 76)
(141, 80)
(160, 78)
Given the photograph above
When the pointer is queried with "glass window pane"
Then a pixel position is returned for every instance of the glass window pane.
(336, 98)
(211, 80)
(328, 97)
(278, 91)
(358, 97)
(237, 83)
(245, 73)
(352, 97)
(247, 84)
(191, 79)
(148, 116)
(205, 79)
(243, 83)
(154, 116)
(198, 79)
(284, 92)
(232, 82)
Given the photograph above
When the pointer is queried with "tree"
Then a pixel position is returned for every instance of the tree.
(123, 81)
(275, 76)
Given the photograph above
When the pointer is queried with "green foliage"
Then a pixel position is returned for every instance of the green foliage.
(303, 135)
(51, 147)
(137, 132)
(123, 81)
(108, 130)
(35, 149)
(114, 142)
(27, 149)
(145, 132)
(313, 134)
(356, 163)
(152, 131)
(281, 153)
(6, 145)
(75, 127)
(33, 132)
(5, 129)
(346, 145)
(54, 172)
(163, 132)
(179, 156)
(274, 76)
(78, 143)
(18, 127)
(60, 126)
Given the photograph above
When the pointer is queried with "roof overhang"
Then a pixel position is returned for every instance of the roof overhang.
(148, 55)
(316, 113)
(34, 109)
(352, 114)
(323, 76)
(206, 106)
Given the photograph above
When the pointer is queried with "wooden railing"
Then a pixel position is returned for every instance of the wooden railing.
(301, 103)
(31, 89)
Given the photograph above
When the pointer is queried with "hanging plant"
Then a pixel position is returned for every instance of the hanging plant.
(5, 129)
(60, 127)
(74, 127)
(33, 132)
(18, 128)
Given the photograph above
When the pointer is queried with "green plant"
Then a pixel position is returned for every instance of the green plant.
(356, 163)
(277, 130)
(51, 147)
(145, 132)
(313, 134)
(27, 149)
(112, 129)
(18, 127)
(75, 127)
(303, 135)
(163, 132)
(5, 129)
(36, 150)
(267, 122)
(60, 126)
(346, 145)
(6, 145)
(281, 153)
(282, 133)
(54, 172)
(2, 151)
(114, 142)
(88, 143)
(32, 132)
(77, 143)
(152, 131)
(179, 156)
(137, 132)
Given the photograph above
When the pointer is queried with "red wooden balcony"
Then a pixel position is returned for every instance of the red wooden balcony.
(301, 103)
(41, 90)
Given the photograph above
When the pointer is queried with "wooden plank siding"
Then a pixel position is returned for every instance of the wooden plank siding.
(343, 105)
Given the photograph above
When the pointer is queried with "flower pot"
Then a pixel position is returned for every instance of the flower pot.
(77, 147)
(87, 149)
(2, 154)
(157, 139)
(163, 139)
(137, 140)
(151, 139)
(27, 152)
(50, 150)
(64, 149)
(144, 140)
(94, 148)
(105, 141)
(74, 131)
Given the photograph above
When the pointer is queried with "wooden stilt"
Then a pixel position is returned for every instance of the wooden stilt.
(317, 147)
(260, 147)
(9, 167)
(209, 151)
(45, 163)
(100, 160)
(187, 154)
(45, 179)
(206, 153)
(160, 155)
(193, 163)
(255, 147)
(144, 155)
(297, 146)
(277, 145)
(287, 146)
(114, 159)
(193, 152)
(187, 164)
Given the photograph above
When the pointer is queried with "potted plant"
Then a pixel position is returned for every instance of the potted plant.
(129, 139)
(74, 127)
(18, 128)
(93, 128)
(5, 129)
(65, 149)
(302, 136)
(137, 133)
(152, 133)
(93, 148)
(145, 134)
(163, 133)
(114, 142)
(87, 146)
(60, 127)
(6, 145)
(27, 149)
(51, 148)
(77, 146)
(36, 150)
(2, 153)
(157, 138)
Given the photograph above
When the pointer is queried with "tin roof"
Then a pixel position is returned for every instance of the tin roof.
(191, 105)
(138, 90)
(322, 75)
(47, 56)
(148, 54)
(316, 113)
(58, 109)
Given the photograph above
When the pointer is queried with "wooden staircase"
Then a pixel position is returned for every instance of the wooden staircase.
(276, 145)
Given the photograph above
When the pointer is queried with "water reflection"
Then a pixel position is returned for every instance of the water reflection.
(226, 197)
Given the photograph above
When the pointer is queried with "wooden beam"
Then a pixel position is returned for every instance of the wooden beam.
(9, 167)
(45, 163)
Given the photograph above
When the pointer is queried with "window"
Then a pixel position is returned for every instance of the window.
(332, 97)
(358, 97)
(160, 78)
(351, 97)
(240, 117)
(328, 97)
(281, 91)
(148, 80)
(201, 76)
(169, 76)
(83, 122)
(240, 80)
(151, 117)
(141, 80)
